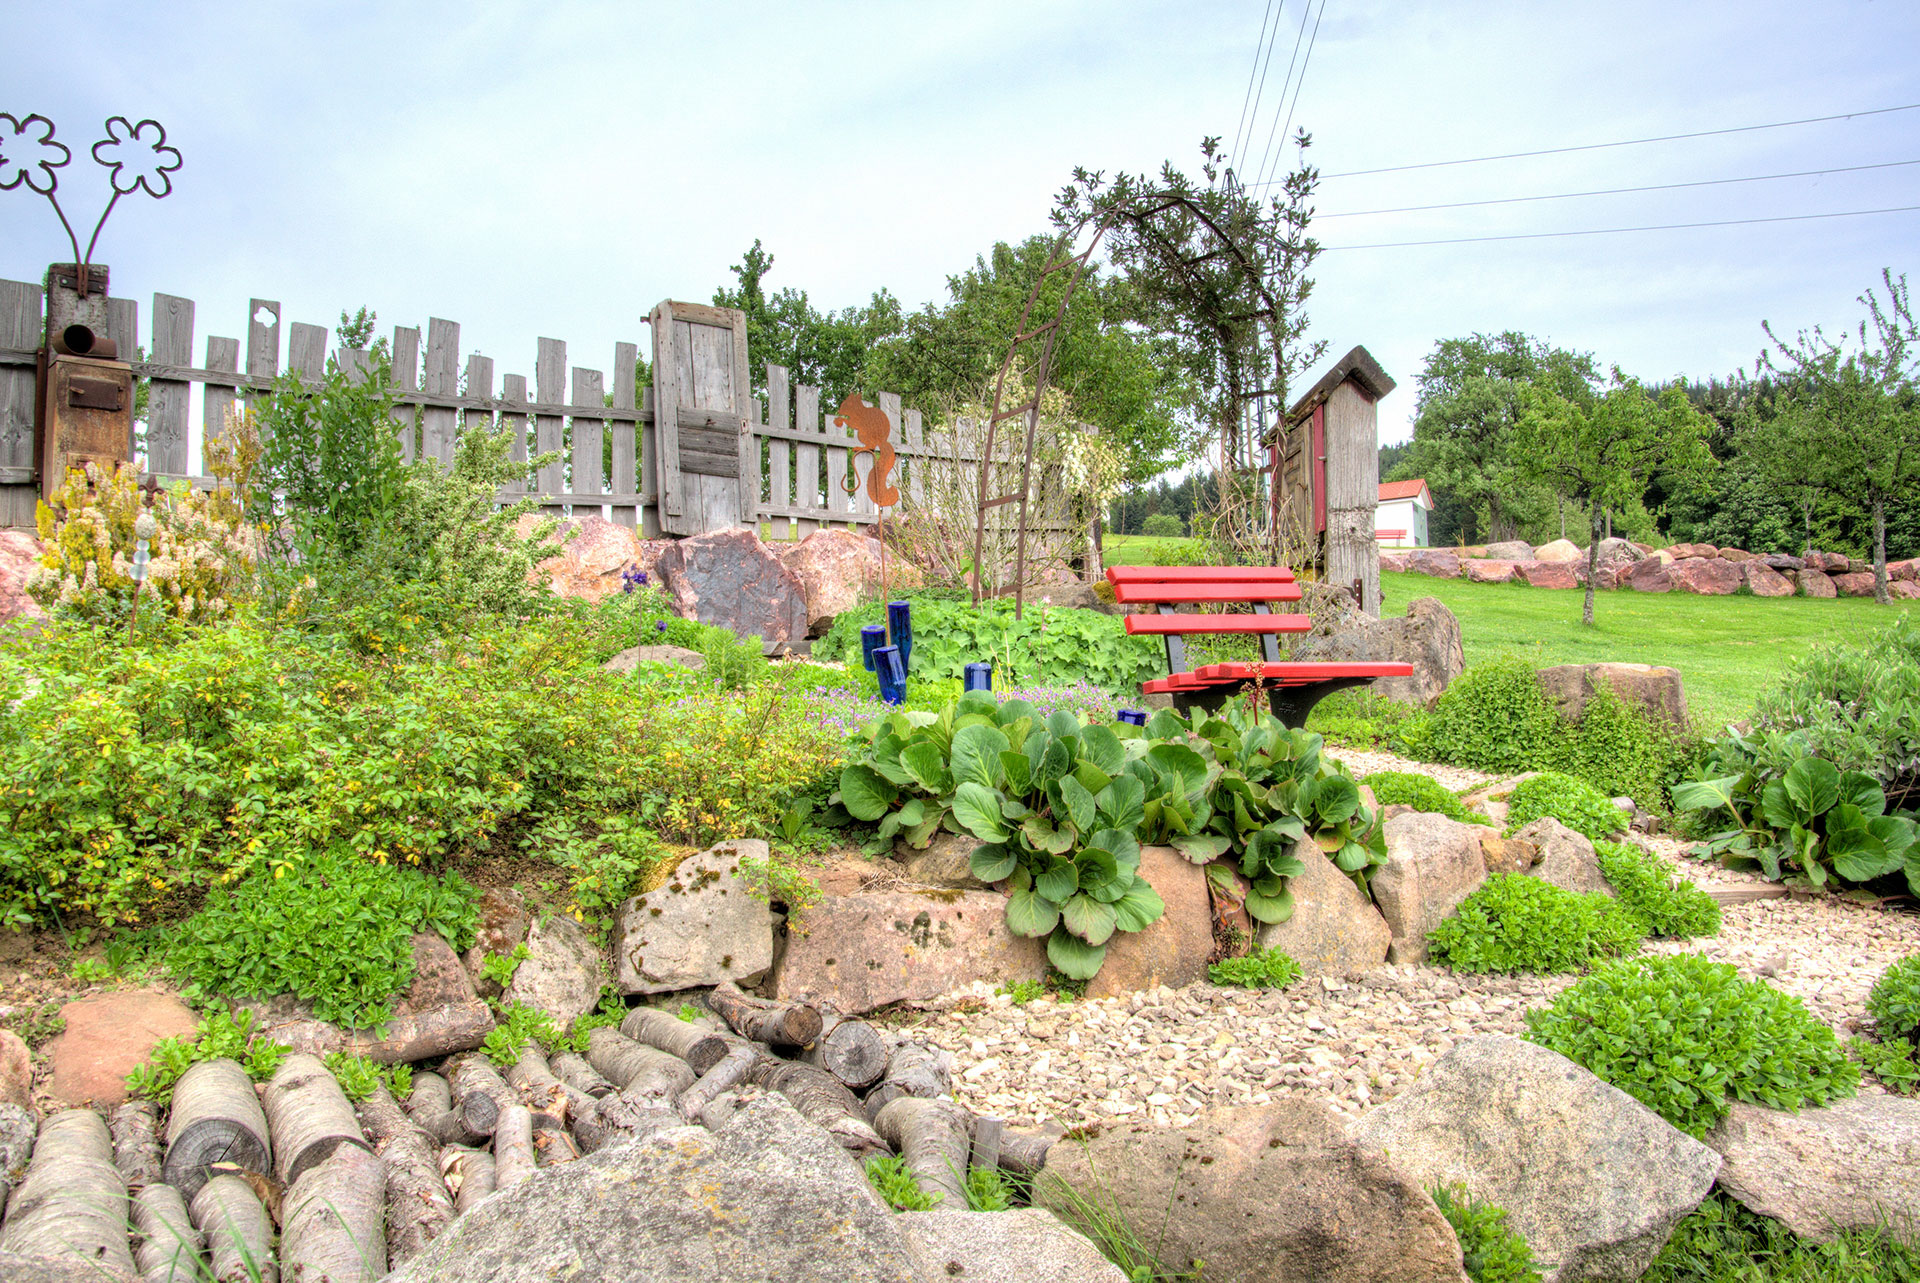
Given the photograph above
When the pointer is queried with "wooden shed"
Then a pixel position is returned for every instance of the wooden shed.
(1326, 474)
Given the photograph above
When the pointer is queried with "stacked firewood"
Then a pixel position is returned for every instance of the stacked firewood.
(195, 1195)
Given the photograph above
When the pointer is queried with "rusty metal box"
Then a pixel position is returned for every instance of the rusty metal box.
(88, 417)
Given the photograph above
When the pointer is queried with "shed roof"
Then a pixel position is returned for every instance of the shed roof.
(1357, 365)
(1402, 489)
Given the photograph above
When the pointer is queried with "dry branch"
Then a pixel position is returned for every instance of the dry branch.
(852, 1051)
(408, 1036)
(912, 1070)
(333, 1231)
(168, 1246)
(784, 1024)
(418, 1207)
(651, 1027)
(468, 1173)
(73, 1204)
(308, 1117)
(136, 1143)
(513, 1147)
(239, 1236)
(215, 1118)
(430, 1096)
(932, 1136)
(824, 1099)
(537, 1085)
(480, 1094)
(1025, 1153)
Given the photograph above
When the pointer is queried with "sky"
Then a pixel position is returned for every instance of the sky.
(556, 169)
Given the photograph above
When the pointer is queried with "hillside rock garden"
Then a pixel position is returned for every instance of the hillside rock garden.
(408, 918)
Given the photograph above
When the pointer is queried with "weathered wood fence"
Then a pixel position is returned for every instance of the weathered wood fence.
(785, 464)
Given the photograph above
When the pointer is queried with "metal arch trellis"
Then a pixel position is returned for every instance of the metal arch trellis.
(1138, 211)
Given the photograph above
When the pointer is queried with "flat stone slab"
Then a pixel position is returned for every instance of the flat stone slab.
(704, 926)
(1853, 1164)
(108, 1037)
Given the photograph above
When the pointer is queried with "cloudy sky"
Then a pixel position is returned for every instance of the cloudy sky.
(557, 168)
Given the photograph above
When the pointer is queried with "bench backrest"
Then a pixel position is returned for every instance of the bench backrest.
(1168, 586)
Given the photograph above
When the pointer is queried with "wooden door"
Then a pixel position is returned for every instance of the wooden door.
(702, 419)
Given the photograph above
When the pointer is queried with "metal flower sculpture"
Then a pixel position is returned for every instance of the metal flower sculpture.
(136, 158)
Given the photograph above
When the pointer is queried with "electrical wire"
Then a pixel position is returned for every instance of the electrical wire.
(1259, 95)
(1620, 191)
(1610, 231)
(1305, 11)
(1251, 73)
(1625, 142)
(1287, 131)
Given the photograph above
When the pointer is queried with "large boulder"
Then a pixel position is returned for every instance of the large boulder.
(838, 569)
(1710, 577)
(562, 973)
(1429, 561)
(107, 1037)
(1833, 563)
(1654, 690)
(1510, 550)
(592, 555)
(1616, 555)
(1763, 580)
(1905, 571)
(708, 922)
(1172, 951)
(730, 579)
(1488, 572)
(1814, 583)
(1783, 562)
(1681, 551)
(768, 1196)
(1259, 1193)
(1563, 550)
(1649, 574)
(1591, 1178)
(1905, 589)
(1433, 863)
(1546, 574)
(1854, 1164)
(1566, 859)
(1020, 1245)
(1393, 561)
(19, 555)
(1735, 555)
(1334, 930)
(872, 948)
(1854, 584)
(1427, 636)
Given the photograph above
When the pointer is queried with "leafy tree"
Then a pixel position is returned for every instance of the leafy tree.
(1860, 409)
(827, 350)
(1601, 449)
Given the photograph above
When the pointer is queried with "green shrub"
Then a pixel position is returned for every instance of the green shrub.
(334, 931)
(1262, 969)
(1515, 923)
(1857, 704)
(1894, 1003)
(1574, 803)
(1685, 1036)
(1163, 525)
(1895, 1062)
(218, 1036)
(1049, 644)
(1667, 903)
(1490, 1250)
(1422, 793)
(1722, 1242)
(896, 1186)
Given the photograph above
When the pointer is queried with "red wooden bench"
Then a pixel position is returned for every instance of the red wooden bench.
(1293, 688)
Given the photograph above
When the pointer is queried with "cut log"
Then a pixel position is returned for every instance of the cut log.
(332, 1231)
(513, 1147)
(168, 1247)
(932, 1137)
(1025, 1153)
(852, 1051)
(702, 1048)
(717, 1112)
(215, 1118)
(733, 1067)
(308, 1117)
(824, 1099)
(624, 1117)
(468, 1173)
(136, 1143)
(430, 1096)
(73, 1204)
(408, 1036)
(987, 1131)
(418, 1206)
(479, 1094)
(239, 1236)
(637, 1070)
(575, 1072)
(17, 1130)
(784, 1024)
(913, 1069)
(537, 1085)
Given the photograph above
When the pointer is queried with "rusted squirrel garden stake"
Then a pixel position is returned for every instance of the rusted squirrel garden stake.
(875, 431)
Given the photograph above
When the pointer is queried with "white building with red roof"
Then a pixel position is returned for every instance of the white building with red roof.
(1400, 518)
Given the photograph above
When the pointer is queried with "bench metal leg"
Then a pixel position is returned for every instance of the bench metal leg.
(1292, 704)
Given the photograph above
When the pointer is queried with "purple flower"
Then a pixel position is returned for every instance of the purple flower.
(660, 625)
(631, 578)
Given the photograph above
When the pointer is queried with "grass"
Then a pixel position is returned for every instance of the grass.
(1138, 550)
(1722, 1242)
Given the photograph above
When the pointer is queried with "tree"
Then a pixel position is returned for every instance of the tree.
(1863, 406)
(828, 350)
(1601, 449)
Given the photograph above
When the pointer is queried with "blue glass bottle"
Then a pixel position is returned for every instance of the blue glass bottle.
(872, 638)
(892, 673)
(978, 677)
(1132, 717)
(900, 620)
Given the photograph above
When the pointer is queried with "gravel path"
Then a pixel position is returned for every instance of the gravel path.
(1353, 1043)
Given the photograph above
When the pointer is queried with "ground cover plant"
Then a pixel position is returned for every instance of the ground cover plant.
(1722, 1242)
(1685, 1037)
(1666, 903)
(1422, 793)
(1359, 719)
(1491, 1251)
(1261, 969)
(1893, 1054)
(1575, 803)
(1514, 923)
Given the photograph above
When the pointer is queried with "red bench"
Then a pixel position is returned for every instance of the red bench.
(1293, 688)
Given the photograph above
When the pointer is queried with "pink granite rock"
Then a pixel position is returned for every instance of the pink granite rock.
(1710, 577)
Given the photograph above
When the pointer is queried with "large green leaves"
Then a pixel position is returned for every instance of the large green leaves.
(1073, 957)
(1088, 918)
(976, 754)
(1030, 914)
(864, 793)
(977, 807)
(924, 761)
(1813, 786)
(1139, 907)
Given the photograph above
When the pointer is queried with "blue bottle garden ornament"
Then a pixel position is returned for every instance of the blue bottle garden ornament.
(872, 638)
(1133, 717)
(892, 672)
(900, 620)
(978, 677)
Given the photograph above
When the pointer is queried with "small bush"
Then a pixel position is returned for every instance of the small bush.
(1668, 904)
(1684, 1036)
(1574, 803)
(1422, 793)
(1515, 923)
(1491, 1251)
(1047, 644)
(1163, 525)
(1262, 969)
(1895, 1063)
(1857, 703)
(1894, 1003)
(218, 1036)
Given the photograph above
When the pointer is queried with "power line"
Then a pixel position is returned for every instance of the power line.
(1619, 191)
(1251, 72)
(1609, 231)
(1265, 66)
(1625, 142)
(1305, 10)
(1287, 131)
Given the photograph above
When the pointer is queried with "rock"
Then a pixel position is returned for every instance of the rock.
(1433, 863)
(947, 862)
(503, 925)
(1649, 575)
(1510, 550)
(1763, 580)
(562, 973)
(1711, 578)
(1171, 952)
(1735, 555)
(19, 555)
(16, 1073)
(107, 1037)
(838, 569)
(1854, 584)
(1832, 563)
(1439, 565)
(1681, 551)
(1851, 1165)
(1259, 1193)
(1334, 930)
(439, 977)
(1427, 636)
(1020, 1245)
(1393, 561)
(634, 656)
(1660, 555)
(730, 579)
(592, 555)
(1656, 691)
(1594, 1180)
(1814, 583)
(1507, 855)
(768, 1196)
(1546, 574)
(1616, 555)
(705, 924)
(1560, 550)
(1904, 571)
(1489, 572)
(1782, 562)
(1566, 858)
(873, 948)
(1905, 589)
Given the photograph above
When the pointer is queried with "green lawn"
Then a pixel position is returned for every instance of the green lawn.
(1137, 550)
(1727, 648)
